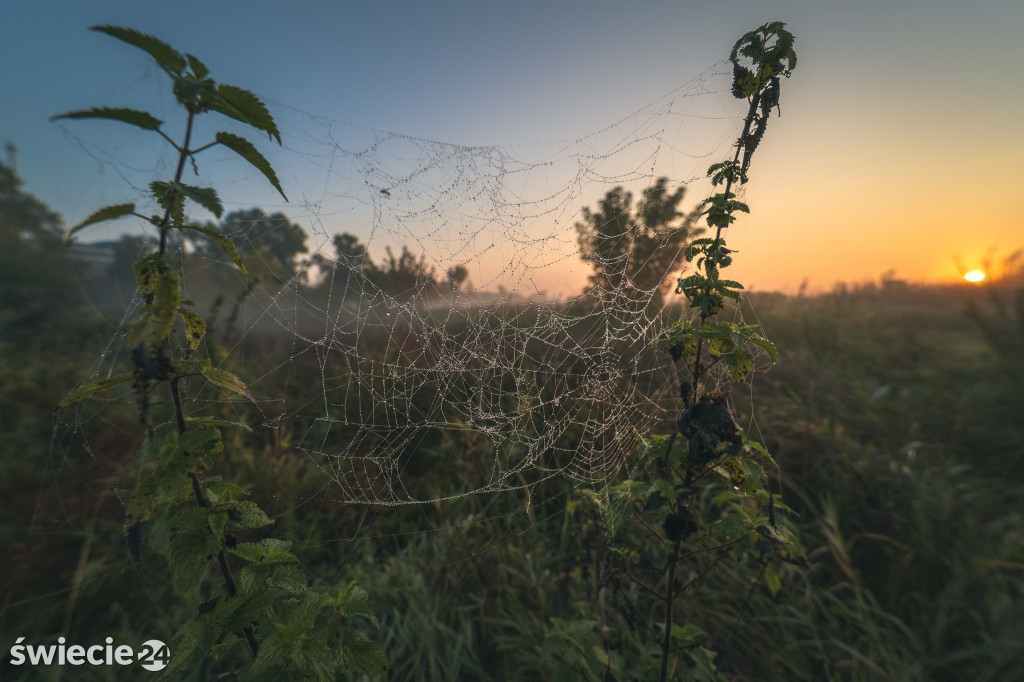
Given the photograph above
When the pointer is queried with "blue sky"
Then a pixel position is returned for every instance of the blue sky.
(896, 149)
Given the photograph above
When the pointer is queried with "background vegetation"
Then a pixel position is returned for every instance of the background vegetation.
(893, 412)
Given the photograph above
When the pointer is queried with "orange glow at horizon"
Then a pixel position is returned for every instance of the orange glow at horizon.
(975, 276)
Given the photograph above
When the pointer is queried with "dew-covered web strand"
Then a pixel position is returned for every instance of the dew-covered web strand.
(521, 365)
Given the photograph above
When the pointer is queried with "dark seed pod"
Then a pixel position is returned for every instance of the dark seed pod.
(678, 526)
(707, 425)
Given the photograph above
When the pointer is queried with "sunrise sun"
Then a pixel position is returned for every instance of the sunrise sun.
(974, 276)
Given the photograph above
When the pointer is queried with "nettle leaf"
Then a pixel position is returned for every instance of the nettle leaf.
(190, 91)
(103, 214)
(249, 551)
(190, 557)
(147, 271)
(244, 106)
(352, 601)
(772, 350)
(203, 422)
(227, 381)
(199, 69)
(244, 148)
(195, 328)
(221, 240)
(726, 171)
(167, 194)
(289, 579)
(93, 387)
(166, 56)
(222, 491)
(202, 441)
(134, 117)
(204, 196)
(217, 521)
(249, 515)
(165, 308)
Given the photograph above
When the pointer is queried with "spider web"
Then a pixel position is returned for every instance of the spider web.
(523, 361)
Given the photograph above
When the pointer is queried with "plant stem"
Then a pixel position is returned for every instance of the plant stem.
(183, 154)
(666, 639)
(175, 386)
(694, 392)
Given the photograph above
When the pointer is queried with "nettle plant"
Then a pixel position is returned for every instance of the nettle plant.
(290, 627)
(699, 497)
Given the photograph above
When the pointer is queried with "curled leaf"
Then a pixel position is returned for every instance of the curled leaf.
(103, 214)
(142, 119)
(165, 55)
(244, 148)
(223, 242)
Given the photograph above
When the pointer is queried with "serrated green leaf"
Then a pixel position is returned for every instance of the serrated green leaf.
(352, 601)
(190, 557)
(221, 240)
(195, 328)
(134, 117)
(226, 381)
(217, 521)
(249, 551)
(204, 196)
(244, 106)
(252, 577)
(147, 271)
(289, 579)
(169, 194)
(273, 544)
(166, 56)
(203, 422)
(200, 441)
(198, 68)
(244, 148)
(249, 515)
(165, 308)
(103, 214)
(191, 643)
(94, 387)
(220, 492)
(773, 351)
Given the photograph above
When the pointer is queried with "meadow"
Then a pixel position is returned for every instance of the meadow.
(435, 483)
(893, 413)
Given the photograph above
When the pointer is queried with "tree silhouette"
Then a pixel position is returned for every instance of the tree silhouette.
(268, 244)
(349, 253)
(405, 275)
(458, 274)
(635, 250)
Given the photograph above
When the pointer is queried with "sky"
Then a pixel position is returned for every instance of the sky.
(897, 149)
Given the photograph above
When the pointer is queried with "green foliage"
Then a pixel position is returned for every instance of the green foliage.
(247, 151)
(222, 241)
(102, 215)
(290, 629)
(166, 57)
(246, 107)
(134, 117)
(94, 387)
(692, 508)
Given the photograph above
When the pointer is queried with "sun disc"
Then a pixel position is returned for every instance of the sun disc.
(974, 276)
